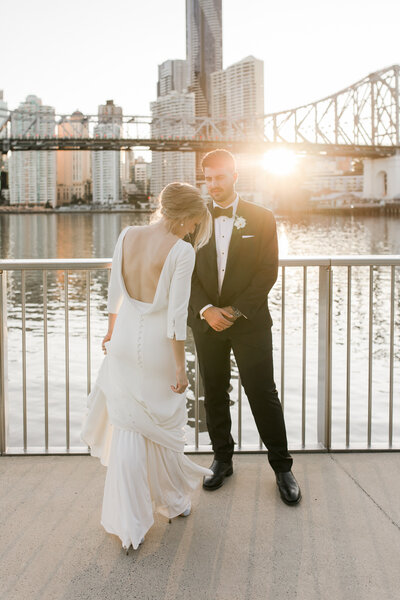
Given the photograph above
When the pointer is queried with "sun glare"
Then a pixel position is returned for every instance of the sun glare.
(280, 161)
(283, 240)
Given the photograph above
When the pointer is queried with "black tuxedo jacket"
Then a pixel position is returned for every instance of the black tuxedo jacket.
(251, 271)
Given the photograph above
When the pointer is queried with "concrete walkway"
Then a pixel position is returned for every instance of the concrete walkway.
(240, 543)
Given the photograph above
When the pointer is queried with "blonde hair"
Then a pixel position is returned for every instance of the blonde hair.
(181, 201)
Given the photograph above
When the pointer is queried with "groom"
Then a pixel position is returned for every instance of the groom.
(228, 309)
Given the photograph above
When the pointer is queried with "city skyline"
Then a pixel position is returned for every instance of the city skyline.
(308, 51)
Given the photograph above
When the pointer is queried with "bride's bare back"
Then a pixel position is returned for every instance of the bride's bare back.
(144, 251)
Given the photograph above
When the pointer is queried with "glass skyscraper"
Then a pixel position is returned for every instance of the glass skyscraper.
(203, 48)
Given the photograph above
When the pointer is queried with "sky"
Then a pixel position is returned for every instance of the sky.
(80, 53)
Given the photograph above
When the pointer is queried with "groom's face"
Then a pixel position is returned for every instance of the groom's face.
(220, 182)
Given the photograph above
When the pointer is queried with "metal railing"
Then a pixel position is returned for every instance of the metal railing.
(323, 305)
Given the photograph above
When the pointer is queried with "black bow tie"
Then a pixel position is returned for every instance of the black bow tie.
(222, 212)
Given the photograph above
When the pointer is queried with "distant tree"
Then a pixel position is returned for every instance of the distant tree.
(358, 166)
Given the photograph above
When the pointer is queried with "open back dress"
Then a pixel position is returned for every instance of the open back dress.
(134, 423)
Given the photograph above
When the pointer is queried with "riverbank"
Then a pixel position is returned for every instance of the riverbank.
(358, 209)
(71, 209)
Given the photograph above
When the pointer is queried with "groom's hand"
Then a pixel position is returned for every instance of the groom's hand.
(229, 310)
(218, 318)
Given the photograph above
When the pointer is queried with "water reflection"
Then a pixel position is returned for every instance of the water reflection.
(87, 236)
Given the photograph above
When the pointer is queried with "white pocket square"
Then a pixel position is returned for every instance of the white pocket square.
(247, 236)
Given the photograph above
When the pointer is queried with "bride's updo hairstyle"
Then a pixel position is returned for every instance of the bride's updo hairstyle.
(179, 202)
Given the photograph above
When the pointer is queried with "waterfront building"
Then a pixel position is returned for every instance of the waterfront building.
(33, 172)
(382, 179)
(131, 194)
(126, 161)
(173, 75)
(203, 48)
(73, 166)
(142, 174)
(333, 181)
(237, 93)
(106, 163)
(348, 182)
(332, 175)
(172, 115)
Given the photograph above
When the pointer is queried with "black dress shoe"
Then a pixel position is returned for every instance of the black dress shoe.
(288, 487)
(220, 470)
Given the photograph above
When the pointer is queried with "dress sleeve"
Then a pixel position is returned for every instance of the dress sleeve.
(179, 293)
(115, 293)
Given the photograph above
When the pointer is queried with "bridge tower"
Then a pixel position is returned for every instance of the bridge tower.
(382, 178)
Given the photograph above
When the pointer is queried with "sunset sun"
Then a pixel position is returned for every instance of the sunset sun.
(279, 162)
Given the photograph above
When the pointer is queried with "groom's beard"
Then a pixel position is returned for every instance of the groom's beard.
(220, 198)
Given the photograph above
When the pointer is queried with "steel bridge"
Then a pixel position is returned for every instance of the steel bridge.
(362, 120)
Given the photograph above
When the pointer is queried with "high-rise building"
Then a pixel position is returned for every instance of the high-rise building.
(184, 91)
(172, 115)
(106, 163)
(110, 113)
(173, 75)
(126, 161)
(203, 54)
(142, 174)
(203, 48)
(237, 93)
(73, 166)
(33, 172)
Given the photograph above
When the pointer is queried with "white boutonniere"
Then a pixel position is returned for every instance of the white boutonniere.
(239, 222)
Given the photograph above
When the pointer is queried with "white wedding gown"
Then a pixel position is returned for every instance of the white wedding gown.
(135, 422)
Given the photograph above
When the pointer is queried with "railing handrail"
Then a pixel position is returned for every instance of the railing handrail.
(287, 261)
(326, 267)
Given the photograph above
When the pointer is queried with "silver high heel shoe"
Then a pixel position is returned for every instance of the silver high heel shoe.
(126, 548)
(186, 512)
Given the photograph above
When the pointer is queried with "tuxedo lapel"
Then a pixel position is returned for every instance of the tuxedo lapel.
(210, 251)
(210, 254)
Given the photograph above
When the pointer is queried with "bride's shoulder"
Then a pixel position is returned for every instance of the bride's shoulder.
(185, 256)
(127, 228)
(186, 248)
(182, 254)
(130, 231)
(123, 232)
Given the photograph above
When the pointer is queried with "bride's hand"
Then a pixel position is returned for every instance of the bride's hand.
(106, 338)
(181, 382)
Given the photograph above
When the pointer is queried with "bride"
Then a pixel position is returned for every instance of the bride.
(137, 408)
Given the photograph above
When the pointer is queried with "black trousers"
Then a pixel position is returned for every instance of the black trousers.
(253, 354)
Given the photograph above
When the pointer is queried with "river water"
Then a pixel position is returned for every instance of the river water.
(94, 235)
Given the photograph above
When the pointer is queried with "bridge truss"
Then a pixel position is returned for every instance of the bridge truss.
(362, 120)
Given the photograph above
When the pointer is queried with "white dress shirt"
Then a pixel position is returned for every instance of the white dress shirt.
(223, 227)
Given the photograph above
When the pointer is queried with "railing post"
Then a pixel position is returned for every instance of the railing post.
(3, 362)
(196, 399)
(325, 356)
